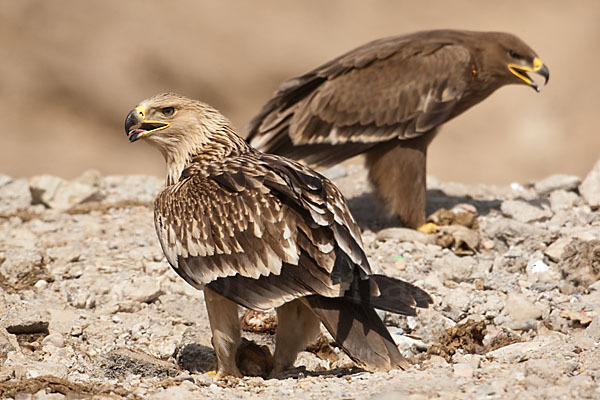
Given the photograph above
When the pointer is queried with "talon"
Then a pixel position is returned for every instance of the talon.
(428, 228)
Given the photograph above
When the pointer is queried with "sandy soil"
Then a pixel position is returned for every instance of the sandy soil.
(71, 70)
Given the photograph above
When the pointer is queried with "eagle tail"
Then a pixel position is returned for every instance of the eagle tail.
(398, 296)
(359, 331)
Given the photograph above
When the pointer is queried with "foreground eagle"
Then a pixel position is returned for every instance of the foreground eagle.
(387, 99)
(263, 231)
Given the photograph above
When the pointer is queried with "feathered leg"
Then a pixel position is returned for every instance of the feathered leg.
(397, 170)
(297, 326)
(226, 333)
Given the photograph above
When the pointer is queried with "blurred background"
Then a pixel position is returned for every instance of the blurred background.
(70, 71)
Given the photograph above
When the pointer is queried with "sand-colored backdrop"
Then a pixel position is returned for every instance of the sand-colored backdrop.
(70, 70)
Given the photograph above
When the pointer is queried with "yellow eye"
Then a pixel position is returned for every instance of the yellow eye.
(167, 111)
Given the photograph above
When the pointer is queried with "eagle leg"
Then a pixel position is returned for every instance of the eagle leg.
(297, 327)
(397, 170)
(226, 332)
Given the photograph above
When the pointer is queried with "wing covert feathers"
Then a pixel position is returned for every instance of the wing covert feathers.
(390, 89)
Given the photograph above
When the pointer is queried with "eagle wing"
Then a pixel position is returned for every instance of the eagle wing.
(394, 88)
(260, 230)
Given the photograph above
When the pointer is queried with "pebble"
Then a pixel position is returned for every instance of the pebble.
(524, 212)
(54, 339)
(57, 193)
(14, 194)
(145, 289)
(563, 200)
(557, 248)
(521, 311)
(590, 187)
(557, 182)
(24, 318)
(463, 370)
(335, 172)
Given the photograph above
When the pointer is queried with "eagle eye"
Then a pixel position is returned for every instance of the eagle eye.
(514, 54)
(167, 111)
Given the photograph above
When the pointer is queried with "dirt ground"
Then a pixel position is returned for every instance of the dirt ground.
(71, 70)
(89, 307)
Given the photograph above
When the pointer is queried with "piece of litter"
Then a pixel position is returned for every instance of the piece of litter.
(539, 266)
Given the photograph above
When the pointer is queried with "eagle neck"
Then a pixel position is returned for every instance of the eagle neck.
(210, 148)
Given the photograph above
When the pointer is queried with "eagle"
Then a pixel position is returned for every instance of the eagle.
(262, 231)
(388, 99)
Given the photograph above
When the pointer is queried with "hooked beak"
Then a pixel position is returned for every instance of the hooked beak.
(520, 71)
(137, 127)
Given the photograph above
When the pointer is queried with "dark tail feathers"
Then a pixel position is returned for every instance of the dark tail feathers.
(398, 296)
(359, 331)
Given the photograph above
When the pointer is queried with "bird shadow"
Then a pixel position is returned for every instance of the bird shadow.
(197, 358)
(370, 214)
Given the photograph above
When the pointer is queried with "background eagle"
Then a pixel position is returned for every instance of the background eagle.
(387, 99)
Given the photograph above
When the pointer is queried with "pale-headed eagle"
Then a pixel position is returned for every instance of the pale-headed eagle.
(387, 99)
(262, 231)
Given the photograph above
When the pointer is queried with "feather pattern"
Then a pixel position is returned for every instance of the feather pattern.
(255, 215)
(261, 231)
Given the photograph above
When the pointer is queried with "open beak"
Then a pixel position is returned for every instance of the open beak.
(520, 71)
(137, 127)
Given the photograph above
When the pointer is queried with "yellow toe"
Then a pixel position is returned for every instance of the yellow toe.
(429, 228)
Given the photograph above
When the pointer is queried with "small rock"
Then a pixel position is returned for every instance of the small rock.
(579, 317)
(524, 212)
(456, 303)
(20, 318)
(55, 192)
(521, 311)
(8, 343)
(557, 248)
(14, 194)
(563, 200)
(463, 370)
(404, 235)
(54, 339)
(18, 265)
(593, 329)
(590, 187)
(144, 290)
(452, 267)
(515, 352)
(36, 369)
(557, 182)
(335, 172)
(580, 262)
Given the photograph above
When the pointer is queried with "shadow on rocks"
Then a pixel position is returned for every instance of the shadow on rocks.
(370, 213)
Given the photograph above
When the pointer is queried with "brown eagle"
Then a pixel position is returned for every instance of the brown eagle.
(262, 231)
(387, 99)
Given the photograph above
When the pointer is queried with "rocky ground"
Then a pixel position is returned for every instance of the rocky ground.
(90, 309)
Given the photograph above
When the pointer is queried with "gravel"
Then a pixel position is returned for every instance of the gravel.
(90, 308)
